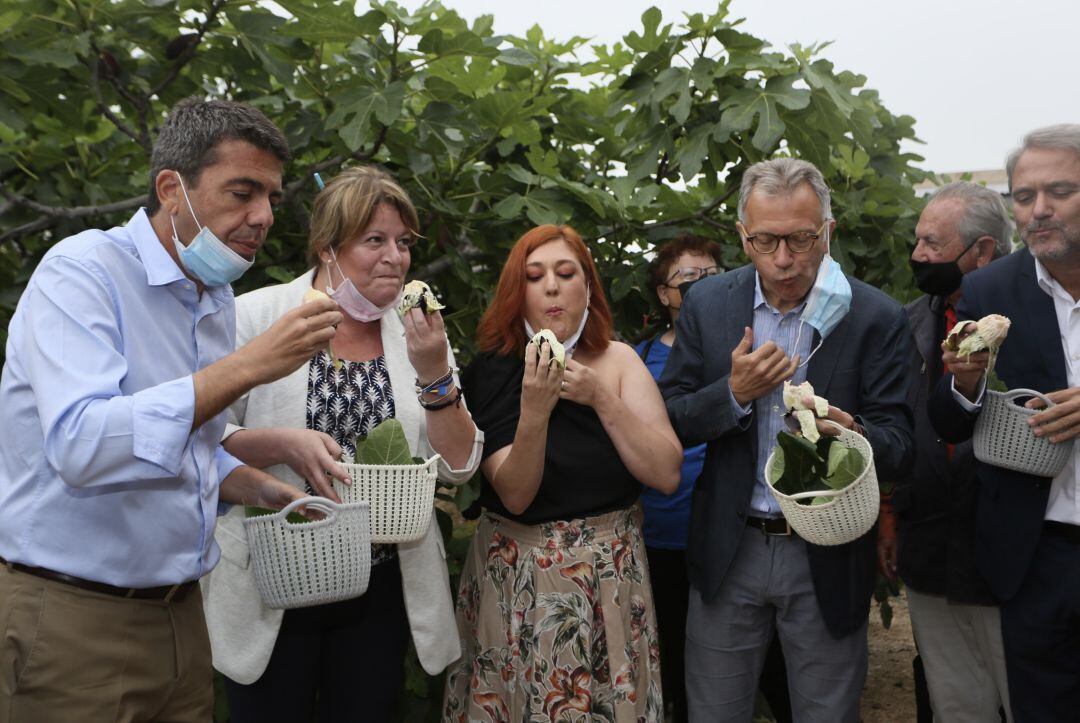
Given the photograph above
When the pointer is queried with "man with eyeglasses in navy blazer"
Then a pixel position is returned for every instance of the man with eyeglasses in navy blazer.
(790, 315)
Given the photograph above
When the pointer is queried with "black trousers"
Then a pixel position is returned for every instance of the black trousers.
(1040, 628)
(671, 596)
(334, 663)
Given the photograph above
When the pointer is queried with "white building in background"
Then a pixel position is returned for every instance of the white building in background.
(995, 180)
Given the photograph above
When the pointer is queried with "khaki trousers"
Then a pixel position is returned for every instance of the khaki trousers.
(962, 653)
(68, 654)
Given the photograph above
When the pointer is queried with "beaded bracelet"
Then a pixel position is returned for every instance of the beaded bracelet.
(441, 385)
(443, 402)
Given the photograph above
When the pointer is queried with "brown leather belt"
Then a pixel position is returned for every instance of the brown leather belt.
(165, 593)
(770, 525)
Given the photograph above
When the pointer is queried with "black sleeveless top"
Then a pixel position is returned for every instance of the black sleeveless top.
(583, 474)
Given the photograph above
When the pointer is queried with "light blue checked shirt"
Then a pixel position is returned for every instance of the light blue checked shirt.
(101, 476)
(770, 325)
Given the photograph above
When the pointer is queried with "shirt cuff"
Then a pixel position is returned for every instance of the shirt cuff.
(742, 411)
(460, 476)
(225, 463)
(966, 404)
(161, 423)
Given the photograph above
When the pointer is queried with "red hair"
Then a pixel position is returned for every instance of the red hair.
(501, 329)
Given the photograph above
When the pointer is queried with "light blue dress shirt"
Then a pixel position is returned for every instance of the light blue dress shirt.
(101, 476)
(771, 325)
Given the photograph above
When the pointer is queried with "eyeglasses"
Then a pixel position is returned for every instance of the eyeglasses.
(797, 243)
(692, 273)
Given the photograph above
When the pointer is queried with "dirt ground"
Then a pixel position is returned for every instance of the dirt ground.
(889, 696)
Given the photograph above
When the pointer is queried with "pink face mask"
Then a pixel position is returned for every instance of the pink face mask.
(352, 302)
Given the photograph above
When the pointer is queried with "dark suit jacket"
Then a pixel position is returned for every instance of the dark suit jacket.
(935, 497)
(1011, 505)
(861, 368)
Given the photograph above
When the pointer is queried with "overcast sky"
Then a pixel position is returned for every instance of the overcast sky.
(975, 74)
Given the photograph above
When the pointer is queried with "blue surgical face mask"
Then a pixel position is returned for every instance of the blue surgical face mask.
(206, 257)
(828, 302)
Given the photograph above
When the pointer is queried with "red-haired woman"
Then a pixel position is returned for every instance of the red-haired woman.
(554, 606)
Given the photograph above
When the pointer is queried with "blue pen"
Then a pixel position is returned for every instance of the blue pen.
(319, 181)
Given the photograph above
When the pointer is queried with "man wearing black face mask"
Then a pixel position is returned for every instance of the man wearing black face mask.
(955, 622)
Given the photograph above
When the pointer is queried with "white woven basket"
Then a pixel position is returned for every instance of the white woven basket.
(401, 497)
(1004, 439)
(851, 512)
(311, 563)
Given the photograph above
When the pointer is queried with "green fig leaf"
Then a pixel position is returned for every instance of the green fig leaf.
(845, 466)
(386, 444)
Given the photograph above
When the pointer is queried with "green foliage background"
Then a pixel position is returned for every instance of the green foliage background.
(631, 143)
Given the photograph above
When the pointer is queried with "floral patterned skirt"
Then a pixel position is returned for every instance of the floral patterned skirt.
(557, 624)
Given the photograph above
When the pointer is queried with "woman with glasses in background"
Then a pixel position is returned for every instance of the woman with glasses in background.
(678, 265)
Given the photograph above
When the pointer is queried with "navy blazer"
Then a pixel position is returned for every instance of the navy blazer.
(861, 368)
(936, 496)
(1011, 506)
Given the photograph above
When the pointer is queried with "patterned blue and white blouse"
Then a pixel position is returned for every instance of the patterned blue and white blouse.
(346, 403)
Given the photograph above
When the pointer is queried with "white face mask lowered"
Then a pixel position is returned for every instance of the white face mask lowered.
(571, 343)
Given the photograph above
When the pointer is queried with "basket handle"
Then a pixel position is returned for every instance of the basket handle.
(819, 493)
(434, 460)
(320, 503)
(1017, 393)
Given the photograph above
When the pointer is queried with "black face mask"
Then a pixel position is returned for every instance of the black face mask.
(685, 286)
(939, 279)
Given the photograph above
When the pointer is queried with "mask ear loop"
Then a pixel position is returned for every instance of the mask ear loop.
(188, 200)
(584, 318)
(329, 274)
(802, 323)
(814, 351)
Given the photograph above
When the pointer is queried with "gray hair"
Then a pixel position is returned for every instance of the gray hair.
(985, 214)
(1063, 136)
(194, 127)
(781, 176)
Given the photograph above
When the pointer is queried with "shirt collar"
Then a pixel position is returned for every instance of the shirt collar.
(161, 269)
(759, 299)
(1050, 285)
(159, 265)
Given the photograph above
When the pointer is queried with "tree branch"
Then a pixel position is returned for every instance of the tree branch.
(95, 88)
(700, 215)
(467, 251)
(59, 212)
(189, 52)
(291, 189)
(26, 229)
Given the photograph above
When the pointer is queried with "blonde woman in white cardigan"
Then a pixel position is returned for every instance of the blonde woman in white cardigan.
(343, 661)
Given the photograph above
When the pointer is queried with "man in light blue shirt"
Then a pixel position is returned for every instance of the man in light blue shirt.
(119, 364)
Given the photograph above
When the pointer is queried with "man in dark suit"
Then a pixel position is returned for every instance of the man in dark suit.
(1028, 528)
(954, 616)
(740, 336)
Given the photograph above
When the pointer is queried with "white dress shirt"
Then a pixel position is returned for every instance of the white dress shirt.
(1064, 502)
